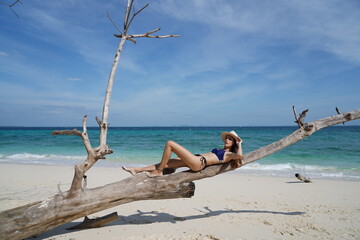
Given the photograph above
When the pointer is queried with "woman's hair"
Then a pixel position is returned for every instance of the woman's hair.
(234, 148)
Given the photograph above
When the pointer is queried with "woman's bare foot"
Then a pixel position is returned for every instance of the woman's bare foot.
(155, 173)
(130, 170)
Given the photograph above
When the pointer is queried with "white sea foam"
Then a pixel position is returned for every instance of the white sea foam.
(313, 171)
(281, 169)
(49, 159)
(286, 167)
(41, 156)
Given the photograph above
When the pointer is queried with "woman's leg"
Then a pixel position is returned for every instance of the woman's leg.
(187, 159)
(172, 163)
(134, 170)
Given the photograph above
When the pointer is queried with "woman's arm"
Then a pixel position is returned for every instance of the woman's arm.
(234, 155)
(239, 153)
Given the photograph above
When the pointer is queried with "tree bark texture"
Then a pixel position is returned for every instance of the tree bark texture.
(104, 124)
(35, 218)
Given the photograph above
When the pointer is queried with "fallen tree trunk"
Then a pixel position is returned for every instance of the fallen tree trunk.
(35, 218)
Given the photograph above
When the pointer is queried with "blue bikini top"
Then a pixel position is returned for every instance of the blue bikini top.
(219, 153)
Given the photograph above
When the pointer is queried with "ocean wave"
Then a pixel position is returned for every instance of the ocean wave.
(41, 156)
(313, 171)
(279, 169)
(51, 159)
(287, 166)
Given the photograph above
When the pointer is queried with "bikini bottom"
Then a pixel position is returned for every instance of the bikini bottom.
(202, 159)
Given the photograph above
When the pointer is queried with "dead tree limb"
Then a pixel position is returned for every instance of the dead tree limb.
(39, 217)
(338, 111)
(302, 178)
(303, 132)
(132, 36)
(108, 14)
(11, 5)
(301, 119)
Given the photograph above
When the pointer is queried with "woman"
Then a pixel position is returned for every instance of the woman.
(232, 151)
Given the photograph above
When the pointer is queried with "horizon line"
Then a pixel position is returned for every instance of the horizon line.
(179, 126)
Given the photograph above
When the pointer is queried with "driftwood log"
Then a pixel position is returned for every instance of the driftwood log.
(39, 217)
(302, 178)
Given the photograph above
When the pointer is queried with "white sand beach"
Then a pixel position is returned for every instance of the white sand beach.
(228, 206)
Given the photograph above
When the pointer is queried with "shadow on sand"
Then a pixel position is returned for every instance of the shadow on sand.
(141, 217)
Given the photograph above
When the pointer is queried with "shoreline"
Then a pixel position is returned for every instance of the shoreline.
(235, 206)
(256, 169)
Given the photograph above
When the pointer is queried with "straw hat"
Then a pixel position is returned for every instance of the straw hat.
(231, 133)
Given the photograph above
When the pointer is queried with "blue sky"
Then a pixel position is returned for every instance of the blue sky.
(237, 62)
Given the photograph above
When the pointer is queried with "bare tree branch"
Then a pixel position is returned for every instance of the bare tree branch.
(84, 124)
(107, 13)
(98, 121)
(11, 6)
(302, 117)
(301, 120)
(131, 36)
(303, 132)
(17, 1)
(132, 40)
(127, 15)
(151, 36)
(296, 118)
(134, 15)
(338, 111)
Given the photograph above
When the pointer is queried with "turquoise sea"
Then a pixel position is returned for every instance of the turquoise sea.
(330, 153)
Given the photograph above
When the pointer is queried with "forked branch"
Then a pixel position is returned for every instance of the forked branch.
(147, 35)
(81, 168)
(303, 132)
(11, 6)
(338, 111)
(301, 120)
(134, 15)
(112, 21)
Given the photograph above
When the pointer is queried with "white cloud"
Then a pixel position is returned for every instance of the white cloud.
(331, 26)
(81, 31)
(4, 54)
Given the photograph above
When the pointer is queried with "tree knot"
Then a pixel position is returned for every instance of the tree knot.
(349, 116)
